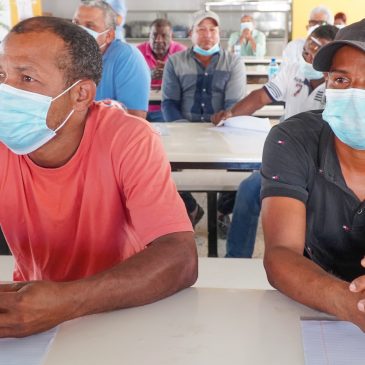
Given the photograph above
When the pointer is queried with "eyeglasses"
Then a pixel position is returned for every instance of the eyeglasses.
(312, 23)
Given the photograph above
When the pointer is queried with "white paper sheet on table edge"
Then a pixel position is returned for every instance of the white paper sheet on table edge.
(247, 122)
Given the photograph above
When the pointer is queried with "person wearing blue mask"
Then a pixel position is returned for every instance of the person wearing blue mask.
(302, 88)
(248, 41)
(80, 185)
(200, 81)
(313, 195)
(126, 76)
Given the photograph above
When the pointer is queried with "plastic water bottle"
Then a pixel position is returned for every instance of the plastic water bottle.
(273, 68)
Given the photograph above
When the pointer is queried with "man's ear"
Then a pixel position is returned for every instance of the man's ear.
(325, 75)
(119, 20)
(83, 94)
(110, 36)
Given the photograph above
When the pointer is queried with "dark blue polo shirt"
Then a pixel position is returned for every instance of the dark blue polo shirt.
(300, 162)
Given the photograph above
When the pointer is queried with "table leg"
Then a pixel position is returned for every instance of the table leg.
(212, 224)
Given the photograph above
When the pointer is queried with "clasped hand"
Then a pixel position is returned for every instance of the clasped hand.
(31, 307)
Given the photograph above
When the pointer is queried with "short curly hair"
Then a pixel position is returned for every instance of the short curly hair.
(81, 58)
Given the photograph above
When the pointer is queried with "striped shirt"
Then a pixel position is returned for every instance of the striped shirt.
(193, 92)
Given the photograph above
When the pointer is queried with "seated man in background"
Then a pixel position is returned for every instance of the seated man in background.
(313, 190)
(340, 20)
(126, 77)
(248, 41)
(156, 51)
(87, 203)
(201, 81)
(319, 15)
(302, 88)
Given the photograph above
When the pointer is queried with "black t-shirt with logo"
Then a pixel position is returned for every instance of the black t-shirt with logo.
(300, 162)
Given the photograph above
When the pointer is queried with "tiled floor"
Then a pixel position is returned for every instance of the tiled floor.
(201, 234)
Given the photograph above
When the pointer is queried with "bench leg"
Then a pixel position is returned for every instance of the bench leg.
(212, 224)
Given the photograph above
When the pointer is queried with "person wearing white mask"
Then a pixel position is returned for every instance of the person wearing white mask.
(313, 195)
(248, 41)
(302, 88)
(319, 15)
(126, 76)
(340, 20)
(200, 81)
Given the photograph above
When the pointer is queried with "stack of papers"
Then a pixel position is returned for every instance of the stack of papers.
(248, 123)
(30, 350)
(332, 343)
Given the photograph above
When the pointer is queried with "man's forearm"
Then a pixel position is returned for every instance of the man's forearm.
(163, 268)
(252, 102)
(171, 110)
(304, 281)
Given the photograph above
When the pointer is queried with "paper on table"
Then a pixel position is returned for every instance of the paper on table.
(160, 128)
(29, 350)
(332, 343)
(248, 122)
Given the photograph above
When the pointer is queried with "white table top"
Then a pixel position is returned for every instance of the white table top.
(232, 274)
(218, 321)
(194, 327)
(202, 143)
(252, 60)
(256, 70)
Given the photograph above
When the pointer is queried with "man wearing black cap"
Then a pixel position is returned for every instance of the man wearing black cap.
(313, 191)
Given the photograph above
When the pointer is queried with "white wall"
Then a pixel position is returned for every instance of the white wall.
(156, 5)
(66, 8)
(63, 9)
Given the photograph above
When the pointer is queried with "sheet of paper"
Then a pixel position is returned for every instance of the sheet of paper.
(332, 343)
(248, 122)
(30, 350)
(160, 128)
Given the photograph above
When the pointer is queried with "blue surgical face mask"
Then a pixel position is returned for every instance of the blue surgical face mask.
(308, 71)
(23, 119)
(207, 52)
(246, 25)
(95, 34)
(345, 113)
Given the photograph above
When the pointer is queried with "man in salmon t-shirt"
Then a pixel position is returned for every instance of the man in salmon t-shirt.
(87, 204)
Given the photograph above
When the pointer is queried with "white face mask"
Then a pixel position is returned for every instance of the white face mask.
(340, 26)
(95, 34)
(246, 25)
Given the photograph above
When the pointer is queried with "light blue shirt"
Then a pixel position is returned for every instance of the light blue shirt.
(126, 76)
(246, 49)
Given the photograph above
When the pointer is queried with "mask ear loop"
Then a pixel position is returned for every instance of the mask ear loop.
(72, 111)
(65, 91)
(64, 122)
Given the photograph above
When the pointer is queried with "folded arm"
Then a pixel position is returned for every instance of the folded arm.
(284, 224)
(166, 266)
(247, 106)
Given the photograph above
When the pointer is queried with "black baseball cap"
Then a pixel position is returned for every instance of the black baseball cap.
(352, 35)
